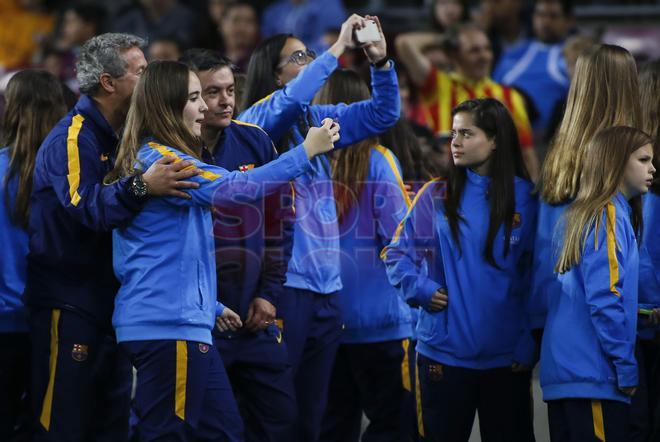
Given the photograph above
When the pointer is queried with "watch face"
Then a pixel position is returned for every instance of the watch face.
(139, 187)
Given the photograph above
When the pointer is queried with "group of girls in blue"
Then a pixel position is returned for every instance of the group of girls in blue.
(419, 314)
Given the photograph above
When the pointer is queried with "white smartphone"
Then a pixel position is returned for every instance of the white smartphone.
(369, 33)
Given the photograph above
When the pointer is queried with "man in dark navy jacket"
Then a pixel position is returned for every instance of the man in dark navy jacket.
(253, 247)
(80, 382)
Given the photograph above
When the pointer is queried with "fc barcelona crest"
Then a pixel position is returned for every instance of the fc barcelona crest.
(517, 220)
(245, 167)
(79, 352)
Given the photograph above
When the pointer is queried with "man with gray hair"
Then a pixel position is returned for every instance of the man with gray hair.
(80, 381)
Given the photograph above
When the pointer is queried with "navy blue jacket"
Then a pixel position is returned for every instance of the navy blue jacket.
(72, 213)
(253, 240)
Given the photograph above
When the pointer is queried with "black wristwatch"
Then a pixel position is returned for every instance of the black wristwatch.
(137, 187)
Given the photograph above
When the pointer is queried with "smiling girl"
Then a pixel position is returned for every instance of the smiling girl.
(166, 306)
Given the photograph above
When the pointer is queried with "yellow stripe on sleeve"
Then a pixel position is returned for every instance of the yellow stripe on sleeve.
(293, 197)
(267, 97)
(610, 229)
(243, 123)
(47, 406)
(599, 426)
(73, 158)
(164, 151)
(405, 366)
(399, 228)
(181, 379)
(395, 170)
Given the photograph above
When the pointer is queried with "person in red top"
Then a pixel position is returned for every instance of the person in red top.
(440, 91)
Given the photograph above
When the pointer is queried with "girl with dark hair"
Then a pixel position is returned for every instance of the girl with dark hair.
(34, 104)
(588, 367)
(474, 349)
(164, 259)
(371, 200)
(281, 67)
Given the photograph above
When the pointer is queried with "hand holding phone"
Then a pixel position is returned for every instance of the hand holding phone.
(369, 33)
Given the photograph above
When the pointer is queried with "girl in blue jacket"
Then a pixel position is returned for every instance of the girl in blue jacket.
(646, 403)
(34, 103)
(164, 259)
(588, 366)
(371, 200)
(591, 106)
(474, 231)
(282, 81)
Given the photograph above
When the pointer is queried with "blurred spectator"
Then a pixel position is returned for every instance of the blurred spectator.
(25, 24)
(155, 19)
(448, 13)
(309, 20)
(81, 21)
(472, 56)
(411, 106)
(240, 84)
(572, 49)
(505, 22)
(239, 28)
(537, 66)
(215, 9)
(163, 49)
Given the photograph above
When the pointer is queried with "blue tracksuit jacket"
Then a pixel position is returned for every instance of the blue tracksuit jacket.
(589, 340)
(372, 310)
(485, 324)
(72, 214)
(13, 256)
(314, 263)
(253, 239)
(165, 258)
(545, 284)
(649, 262)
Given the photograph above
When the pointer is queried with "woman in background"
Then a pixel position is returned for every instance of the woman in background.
(35, 102)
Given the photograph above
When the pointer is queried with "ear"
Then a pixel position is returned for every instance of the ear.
(278, 80)
(493, 144)
(107, 83)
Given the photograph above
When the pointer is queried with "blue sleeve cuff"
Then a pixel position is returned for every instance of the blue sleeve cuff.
(627, 375)
(425, 291)
(219, 308)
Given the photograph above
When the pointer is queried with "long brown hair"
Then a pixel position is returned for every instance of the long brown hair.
(350, 166)
(607, 154)
(649, 93)
(604, 93)
(35, 103)
(156, 111)
(492, 117)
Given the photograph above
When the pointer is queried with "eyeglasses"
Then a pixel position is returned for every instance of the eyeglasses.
(301, 58)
